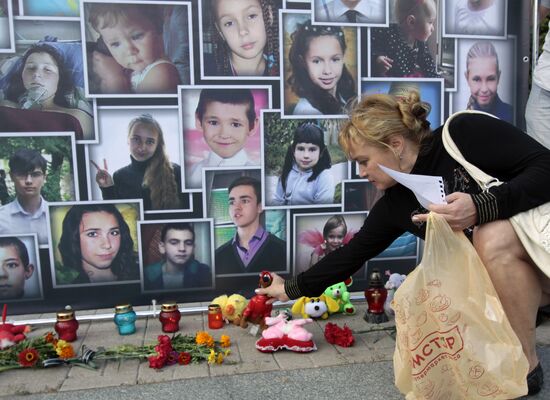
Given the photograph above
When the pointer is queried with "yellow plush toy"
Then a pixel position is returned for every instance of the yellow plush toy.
(232, 307)
(315, 307)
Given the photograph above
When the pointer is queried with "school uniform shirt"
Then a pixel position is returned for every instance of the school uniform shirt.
(367, 11)
(240, 159)
(304, 107)
(300, 192)
(496, 147)
(407, 62)
(15, 220)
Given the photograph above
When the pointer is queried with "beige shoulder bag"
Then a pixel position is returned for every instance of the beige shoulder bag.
(531, 226)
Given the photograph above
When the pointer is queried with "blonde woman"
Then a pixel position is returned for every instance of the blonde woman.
(385, 130)
(150, 175)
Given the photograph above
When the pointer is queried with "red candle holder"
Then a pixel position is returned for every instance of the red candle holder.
(215, 317)
(66, 325)
(376, 295)
(170, 317)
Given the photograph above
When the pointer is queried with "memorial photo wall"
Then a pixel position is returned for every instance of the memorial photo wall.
(173, 150)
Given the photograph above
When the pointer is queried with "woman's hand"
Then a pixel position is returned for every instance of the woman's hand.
(383, 64)
(113, 78)
(103, 177)
(460, 211)
(276, 290)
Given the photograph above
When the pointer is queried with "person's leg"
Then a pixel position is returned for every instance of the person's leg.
(536, 115)
(521, 286)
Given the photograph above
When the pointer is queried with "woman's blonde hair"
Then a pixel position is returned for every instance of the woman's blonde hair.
(159, 176)
(378, 117)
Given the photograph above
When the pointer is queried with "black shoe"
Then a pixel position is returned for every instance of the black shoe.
(535, 379)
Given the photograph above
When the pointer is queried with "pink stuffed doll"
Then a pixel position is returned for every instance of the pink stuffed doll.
(284, 334)
(11, 334)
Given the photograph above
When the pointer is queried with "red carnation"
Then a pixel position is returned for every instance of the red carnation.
(184, 358)
(156, 362)
(340, 336)
(28, 357)
(172, 358)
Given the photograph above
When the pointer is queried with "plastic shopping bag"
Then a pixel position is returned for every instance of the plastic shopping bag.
(453, 338)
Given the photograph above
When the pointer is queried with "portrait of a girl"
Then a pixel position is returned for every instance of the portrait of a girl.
(318, 74)
(242, 37)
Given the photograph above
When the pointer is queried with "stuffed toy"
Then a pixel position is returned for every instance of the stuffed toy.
(11, 334)
(339, 293)
(257, 310)
(394, 281)
(284, 334)
(232, 307)
(315, 307)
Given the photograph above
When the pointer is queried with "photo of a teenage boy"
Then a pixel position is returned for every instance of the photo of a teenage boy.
(15, 268)
(178, 268)
(252, 249)
(27, 213)
(227, 120)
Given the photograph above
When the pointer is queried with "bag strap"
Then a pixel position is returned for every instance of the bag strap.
(484, 180)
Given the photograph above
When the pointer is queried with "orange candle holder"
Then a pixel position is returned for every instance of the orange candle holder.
(215, 317)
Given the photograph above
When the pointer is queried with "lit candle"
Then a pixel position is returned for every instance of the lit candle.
(170, 317)
(66, 325)
(215, 317)
(125, 319)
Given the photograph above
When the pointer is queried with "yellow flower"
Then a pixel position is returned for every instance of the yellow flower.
(225, 341)
(212, 357)
(227, 352)
(219, 360)
(204, 338)
(64, 350)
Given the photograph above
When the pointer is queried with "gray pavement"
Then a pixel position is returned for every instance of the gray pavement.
(363, 371)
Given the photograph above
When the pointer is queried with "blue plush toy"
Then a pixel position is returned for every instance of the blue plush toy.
(339, 293)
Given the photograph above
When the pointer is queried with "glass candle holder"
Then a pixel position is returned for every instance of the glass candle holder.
(66, 325)
(375, 295)
(125, 319)
(170, 317)
(215, 317)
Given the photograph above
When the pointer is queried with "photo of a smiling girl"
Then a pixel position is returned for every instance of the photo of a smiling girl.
(240, 38)
(320, 74)
(95, 243)
(487, 68)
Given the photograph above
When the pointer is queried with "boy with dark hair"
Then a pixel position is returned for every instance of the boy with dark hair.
(15, 268)
(27, 213)
(178, 269)
(227, 119)
(252, 249)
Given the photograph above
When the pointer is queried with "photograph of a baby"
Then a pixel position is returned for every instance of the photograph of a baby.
(136, 48)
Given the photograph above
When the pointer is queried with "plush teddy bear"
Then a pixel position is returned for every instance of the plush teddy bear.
(394, 281)
(257, 310)
(232, 307)
(339, 293)
(315, 307)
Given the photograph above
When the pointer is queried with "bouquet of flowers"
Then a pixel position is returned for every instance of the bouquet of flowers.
(47, 351)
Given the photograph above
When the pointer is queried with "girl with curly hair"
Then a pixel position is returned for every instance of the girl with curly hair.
(150, 175)
(319, 75)
(245, 38)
